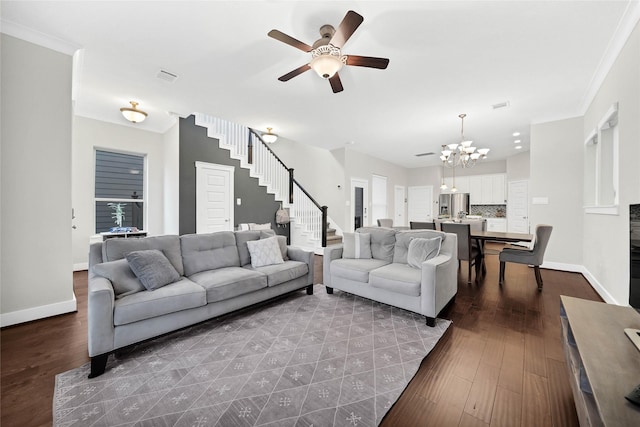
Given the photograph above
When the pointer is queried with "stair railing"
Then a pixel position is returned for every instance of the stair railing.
(307, 211)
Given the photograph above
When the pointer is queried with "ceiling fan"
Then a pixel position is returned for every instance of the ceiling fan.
(326, 56)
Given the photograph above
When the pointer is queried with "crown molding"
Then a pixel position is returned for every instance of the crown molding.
(36, 37)
(627, 24)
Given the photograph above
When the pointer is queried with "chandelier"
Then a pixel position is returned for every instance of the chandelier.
(462, 154)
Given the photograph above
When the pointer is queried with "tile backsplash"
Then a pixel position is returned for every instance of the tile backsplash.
(488, 211)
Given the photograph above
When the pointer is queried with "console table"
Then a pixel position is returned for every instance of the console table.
(603, 363)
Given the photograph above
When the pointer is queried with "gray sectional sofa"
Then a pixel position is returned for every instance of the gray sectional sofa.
(387, 276)
(213, 276)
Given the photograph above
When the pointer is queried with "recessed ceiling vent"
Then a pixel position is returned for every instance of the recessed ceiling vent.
(167, 76)
(425, 154)
(500, 105)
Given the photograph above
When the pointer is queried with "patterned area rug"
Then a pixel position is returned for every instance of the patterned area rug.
(319, 360)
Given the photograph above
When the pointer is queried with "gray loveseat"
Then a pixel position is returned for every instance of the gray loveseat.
(214, 276)
(388, 278)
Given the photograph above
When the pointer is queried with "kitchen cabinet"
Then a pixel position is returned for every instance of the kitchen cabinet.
(475, 189)
(497, 224)
(499, 189)
(483, 189)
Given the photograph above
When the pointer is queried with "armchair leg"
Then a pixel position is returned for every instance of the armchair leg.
(98, 365)
(469, 273)
(501, 279)
(536, 269)
(329, 290)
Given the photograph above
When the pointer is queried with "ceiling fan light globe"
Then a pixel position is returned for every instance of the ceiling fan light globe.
(326, 66)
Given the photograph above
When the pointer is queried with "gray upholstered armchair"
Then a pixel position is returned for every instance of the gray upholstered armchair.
(468, 250)
(532, 257)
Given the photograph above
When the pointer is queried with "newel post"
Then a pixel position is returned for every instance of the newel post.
(324, 226)
(250, 149)
(290, 185)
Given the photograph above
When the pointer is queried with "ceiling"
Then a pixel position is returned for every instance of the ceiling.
(544, 58)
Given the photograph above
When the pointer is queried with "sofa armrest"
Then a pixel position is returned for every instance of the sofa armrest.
(439, 282)
(100, 304)
(297, 254)
(330, 253)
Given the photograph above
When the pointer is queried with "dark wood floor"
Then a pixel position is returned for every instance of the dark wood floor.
(499, 364)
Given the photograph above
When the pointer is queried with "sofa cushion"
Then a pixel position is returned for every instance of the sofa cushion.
(397, 277)
(403, 238)
(115, 249)
(356, 245)
(202, 252)
(280, 273)
(152, 268)
(421, 249)
(122, 279)
(355, 269)
(382, 242)
(228, 282)
(181, 295)
(265, 252)
(242, 237)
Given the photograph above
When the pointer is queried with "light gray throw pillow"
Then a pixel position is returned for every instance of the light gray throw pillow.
(421, 249)
(122, 279)
(356, 245)
(265, 252)
(152, 268)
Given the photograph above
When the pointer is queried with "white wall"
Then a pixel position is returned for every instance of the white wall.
(518, 167)
(319, 171)
(606, 237)
(556, 176)
(36, 264)
(89, 135)
(171, 191)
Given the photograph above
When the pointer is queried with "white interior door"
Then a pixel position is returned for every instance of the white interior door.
(399, 218)
(420, 203)
(518, 207)
(214, 197)
(359, 203)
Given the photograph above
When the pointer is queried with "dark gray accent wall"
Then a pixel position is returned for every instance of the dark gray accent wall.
(195, 146)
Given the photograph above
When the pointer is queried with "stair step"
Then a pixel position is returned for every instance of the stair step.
(334, 240)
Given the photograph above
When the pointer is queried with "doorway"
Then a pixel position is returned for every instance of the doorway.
(214, 197)
(359, 203)
(400, 201)
(420, 203)
(518, 207)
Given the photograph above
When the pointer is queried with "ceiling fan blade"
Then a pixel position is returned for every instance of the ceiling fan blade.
(367, 61)
(280, 36)
(347, 27)
(336, 84)
(294, 73)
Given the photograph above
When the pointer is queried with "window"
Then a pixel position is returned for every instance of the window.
(378, 197)
(119, 190)
(601, 166)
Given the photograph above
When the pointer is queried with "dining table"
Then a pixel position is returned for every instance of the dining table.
(497, 236)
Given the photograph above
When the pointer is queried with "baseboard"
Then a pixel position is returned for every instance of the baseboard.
(81, 266)
(597, 286)
(574, 268)
(35, 313)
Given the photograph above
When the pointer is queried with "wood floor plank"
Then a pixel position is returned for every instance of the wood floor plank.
(483, 392)
(534, 355)
(507, 408)
(535, 401)
(562, 406)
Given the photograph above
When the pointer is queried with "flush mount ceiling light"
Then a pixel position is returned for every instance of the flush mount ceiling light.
(269, 137)
(462, 154)
(132, 113)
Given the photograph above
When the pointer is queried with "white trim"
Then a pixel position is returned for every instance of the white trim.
(35, 313)
(626, 26)
(81, 266)
(597, 286)
(36, 37)
(601, 210)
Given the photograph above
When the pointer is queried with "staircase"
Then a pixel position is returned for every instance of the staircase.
(309, 220)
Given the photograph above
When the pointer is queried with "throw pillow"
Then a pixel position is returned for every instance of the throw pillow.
(265, 252)
(122, 279)
(254, 226)
(356, 245)
(421, 249)
(152, 268)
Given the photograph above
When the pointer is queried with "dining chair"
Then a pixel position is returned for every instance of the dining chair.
(468, 250)
(415, 225)
(534, 256)
(385, 222)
